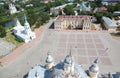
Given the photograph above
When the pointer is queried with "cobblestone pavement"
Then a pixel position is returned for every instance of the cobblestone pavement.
(5, 47)
(85, 47)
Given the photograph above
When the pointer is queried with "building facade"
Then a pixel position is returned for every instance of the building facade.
(109, 24)
(65, 22)
(24, 33)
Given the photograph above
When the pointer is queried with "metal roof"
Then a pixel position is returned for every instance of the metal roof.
(109, 22)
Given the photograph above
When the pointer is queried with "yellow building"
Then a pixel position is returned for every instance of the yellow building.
(73, 22)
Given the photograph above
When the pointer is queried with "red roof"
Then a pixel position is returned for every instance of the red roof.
(73, 17)
(103, 9)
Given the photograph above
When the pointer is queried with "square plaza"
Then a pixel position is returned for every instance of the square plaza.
(85, 47)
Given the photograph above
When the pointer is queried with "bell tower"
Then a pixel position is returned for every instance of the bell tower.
(69, 64)
(49, 61)
(94, 69)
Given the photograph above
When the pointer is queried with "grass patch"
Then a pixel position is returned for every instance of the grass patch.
(11, 38)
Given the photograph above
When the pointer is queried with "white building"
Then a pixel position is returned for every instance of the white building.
(83, 7)
(12, 8)
(109, 24)
(24, 33)
(70, 0)
(20, 0)
(107, 2)
(58, 8)
(104, 3)
(116, 13)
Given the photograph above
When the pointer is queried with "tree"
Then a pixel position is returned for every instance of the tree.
(60, 12)
(111, 8)
(32, 18)
(98, 2)
(77, 1)
(2, 32)
(69, 10)
(117, 7)
(38, 23)
(99, 17)
(93, 5)
(44, 16)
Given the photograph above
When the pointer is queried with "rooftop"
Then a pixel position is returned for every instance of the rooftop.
(109, 22)
(61, 17)
(64, 69)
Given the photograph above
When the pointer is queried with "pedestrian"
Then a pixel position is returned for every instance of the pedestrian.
(106, 49)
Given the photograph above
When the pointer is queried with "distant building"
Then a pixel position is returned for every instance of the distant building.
(100, 9)
(70, 0)
(12, 8)
(2, 3)
(83, 7)
(29, 5)
(107, 2)
(24, 1)
(109, 24)
(58, 8)
(116, 13)
(111, 75)
(91, 0)
(104, 3)
(46, 1)
(24, 33)
(65, 22)
(66, 69)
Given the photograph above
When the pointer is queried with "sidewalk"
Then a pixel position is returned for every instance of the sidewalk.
(24, 47)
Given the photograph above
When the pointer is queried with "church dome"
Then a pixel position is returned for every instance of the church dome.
(68, 59)
(49, 59)
(94, 68)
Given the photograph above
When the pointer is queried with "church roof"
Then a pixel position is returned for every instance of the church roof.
(58, 71)
(40, 70)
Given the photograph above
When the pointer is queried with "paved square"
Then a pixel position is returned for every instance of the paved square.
(84, 47)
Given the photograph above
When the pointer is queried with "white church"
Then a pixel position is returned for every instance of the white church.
(24, 33)
(12, 9)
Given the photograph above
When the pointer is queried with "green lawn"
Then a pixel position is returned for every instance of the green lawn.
(11, 38)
